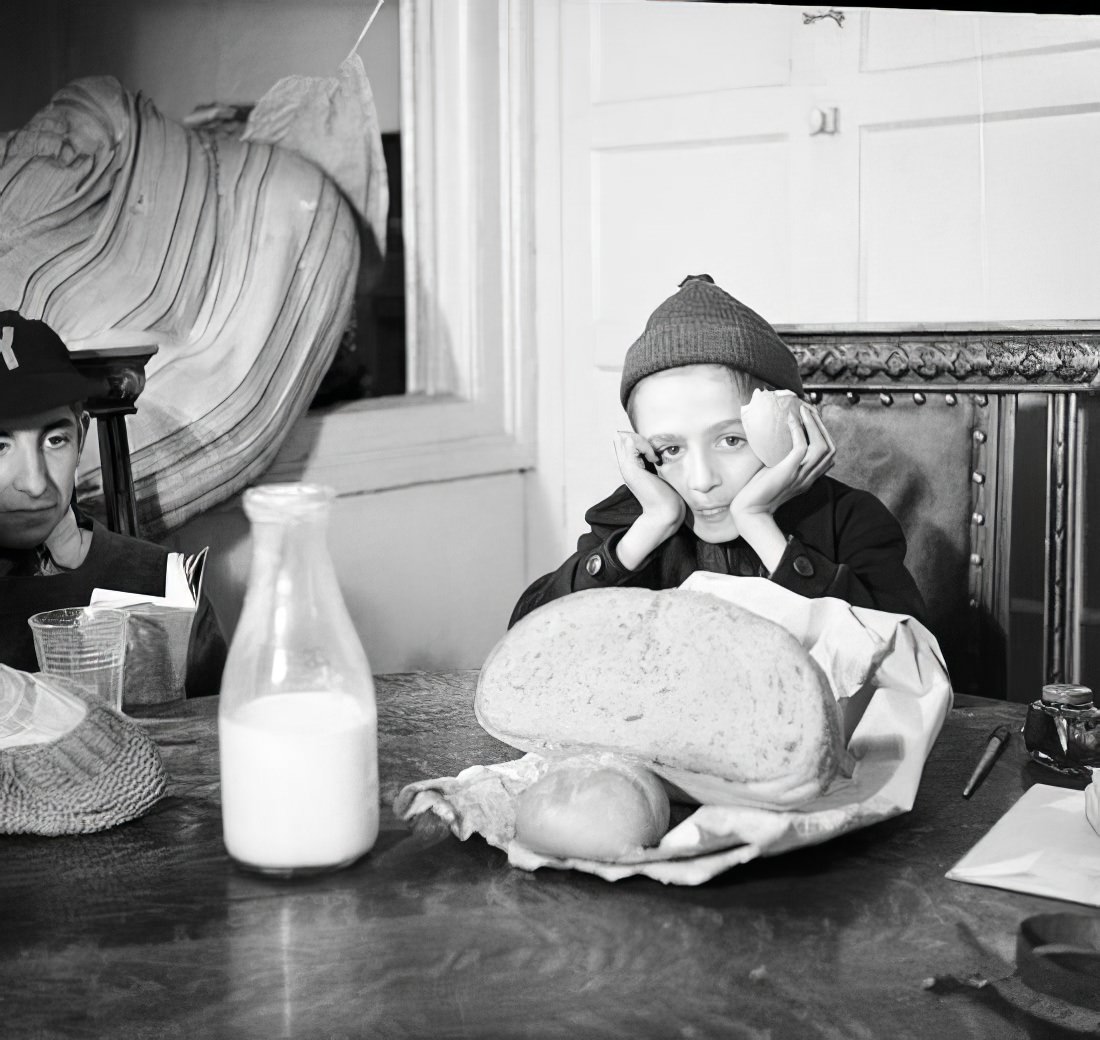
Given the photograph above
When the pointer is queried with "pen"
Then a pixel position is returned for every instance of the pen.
(997, 740)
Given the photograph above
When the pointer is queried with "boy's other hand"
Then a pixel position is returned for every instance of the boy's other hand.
(663, 509)
(812, 454)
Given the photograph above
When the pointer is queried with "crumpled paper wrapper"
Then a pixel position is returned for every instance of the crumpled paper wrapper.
(891, 684)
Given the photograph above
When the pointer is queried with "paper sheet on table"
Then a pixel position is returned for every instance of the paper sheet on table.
(862, 651)
(1043, 845)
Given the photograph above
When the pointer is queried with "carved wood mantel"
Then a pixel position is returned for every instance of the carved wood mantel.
(998, 360)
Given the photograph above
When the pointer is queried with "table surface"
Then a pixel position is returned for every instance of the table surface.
(149, 930)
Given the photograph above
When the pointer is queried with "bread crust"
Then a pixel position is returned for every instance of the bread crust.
(725, 705)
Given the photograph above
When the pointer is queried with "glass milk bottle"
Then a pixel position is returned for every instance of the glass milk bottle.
(297, 723)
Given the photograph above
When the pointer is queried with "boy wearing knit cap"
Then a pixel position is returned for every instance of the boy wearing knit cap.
(696, 497)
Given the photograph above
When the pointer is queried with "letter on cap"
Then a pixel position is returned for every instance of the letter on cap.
(7, 351)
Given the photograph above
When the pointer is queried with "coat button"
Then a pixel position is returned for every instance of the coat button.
(803, 566)
(593, 564)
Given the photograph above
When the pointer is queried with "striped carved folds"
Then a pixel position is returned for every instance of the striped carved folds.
(236, 260)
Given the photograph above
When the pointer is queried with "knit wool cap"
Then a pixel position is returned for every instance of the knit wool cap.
(102, 772)
(703, 325)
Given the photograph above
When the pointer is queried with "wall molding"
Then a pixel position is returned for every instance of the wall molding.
(1044, 357)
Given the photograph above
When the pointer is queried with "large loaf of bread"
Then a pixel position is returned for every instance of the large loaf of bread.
(724, 704)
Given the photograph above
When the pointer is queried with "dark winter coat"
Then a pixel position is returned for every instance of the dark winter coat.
(841, 542)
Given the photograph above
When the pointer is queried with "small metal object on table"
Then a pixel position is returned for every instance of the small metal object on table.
(149, 929)
(122, 372)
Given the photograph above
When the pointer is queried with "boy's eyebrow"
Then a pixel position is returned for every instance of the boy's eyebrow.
(724, 424)
(65, 422)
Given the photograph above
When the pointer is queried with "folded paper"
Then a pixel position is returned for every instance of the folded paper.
(1043, 845)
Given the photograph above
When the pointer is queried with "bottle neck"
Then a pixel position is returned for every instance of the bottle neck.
(292, 571)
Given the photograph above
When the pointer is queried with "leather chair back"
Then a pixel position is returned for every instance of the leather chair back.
(926, 420)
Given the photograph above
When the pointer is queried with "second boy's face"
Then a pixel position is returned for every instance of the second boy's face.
(692, 417)
(38, 459)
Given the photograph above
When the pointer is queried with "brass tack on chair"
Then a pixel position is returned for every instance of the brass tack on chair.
(853, 397)
(979, 436)
(950, 398)
(975, 559)
(974, 604)
(886, 399)
(978, 518)
(982, 400)
(815, 397)
(978, 478)
(919, 398)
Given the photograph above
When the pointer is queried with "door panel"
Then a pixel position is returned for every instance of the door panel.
(659, 50)
(920, 222)
(662, 213)
(1043, 255)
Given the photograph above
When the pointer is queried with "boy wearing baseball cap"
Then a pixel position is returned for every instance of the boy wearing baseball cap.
(696, 497)
(51, 555)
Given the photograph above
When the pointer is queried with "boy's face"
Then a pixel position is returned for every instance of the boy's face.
(38, 458)
(692, 417)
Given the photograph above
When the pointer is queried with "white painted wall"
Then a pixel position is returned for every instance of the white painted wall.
(429, 574)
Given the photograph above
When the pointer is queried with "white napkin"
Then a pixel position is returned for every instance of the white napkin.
(862, 651)
(1043, 845)
(35, 709)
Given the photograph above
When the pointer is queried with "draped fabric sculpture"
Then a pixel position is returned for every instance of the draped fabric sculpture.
(238, 258)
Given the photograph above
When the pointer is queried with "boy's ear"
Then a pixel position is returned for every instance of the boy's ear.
(84, 423)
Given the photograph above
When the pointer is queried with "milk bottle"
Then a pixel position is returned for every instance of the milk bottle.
(297, 723)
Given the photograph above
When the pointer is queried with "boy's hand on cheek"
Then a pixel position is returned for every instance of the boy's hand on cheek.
(659, 502)
(662, 508)
(811, 455)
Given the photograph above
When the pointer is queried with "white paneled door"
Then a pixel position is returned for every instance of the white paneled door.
(823, 165)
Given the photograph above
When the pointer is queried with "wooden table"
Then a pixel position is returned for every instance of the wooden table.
(150, 931)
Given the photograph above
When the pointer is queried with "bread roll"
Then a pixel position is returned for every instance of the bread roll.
(765, 422)
(592, 807)
(720, 702)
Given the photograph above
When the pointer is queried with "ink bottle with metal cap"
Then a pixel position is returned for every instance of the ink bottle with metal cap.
(1062, 729)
